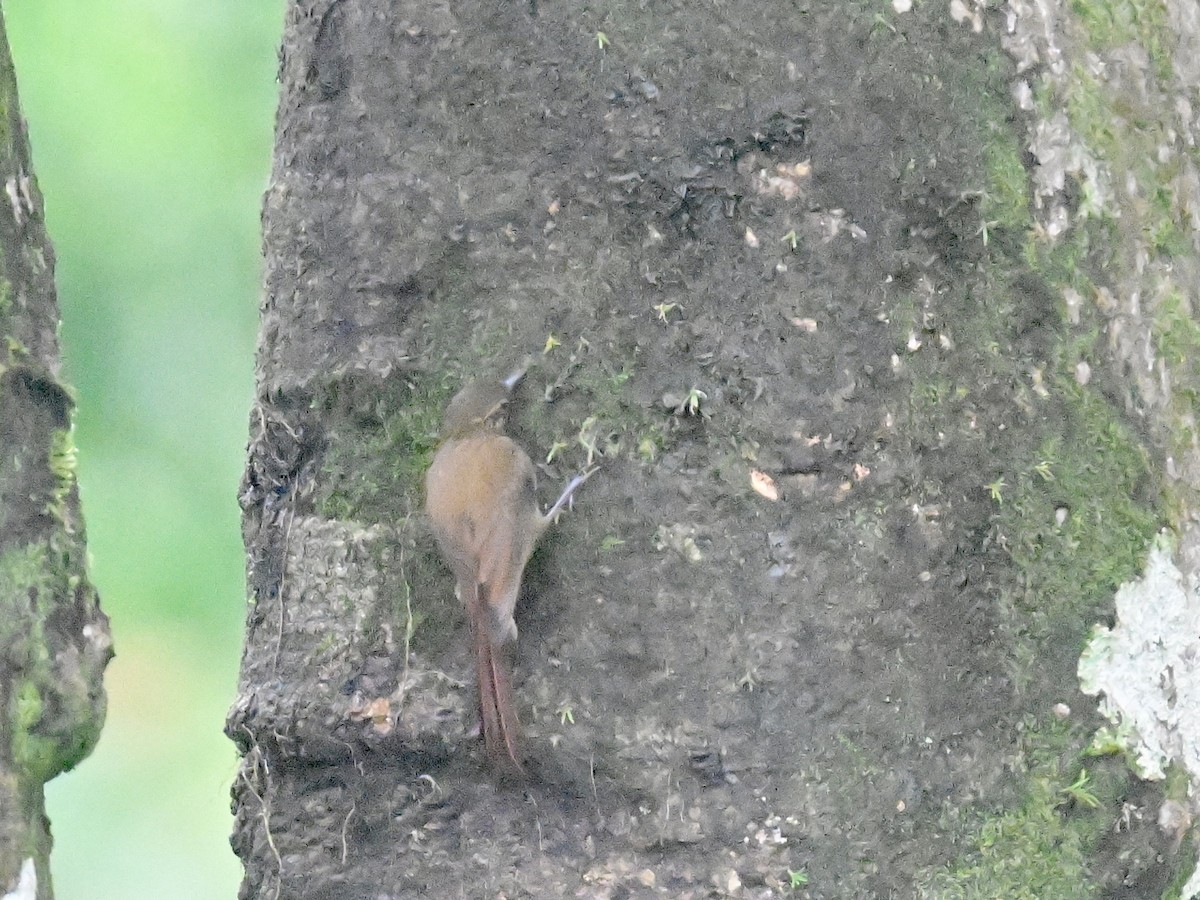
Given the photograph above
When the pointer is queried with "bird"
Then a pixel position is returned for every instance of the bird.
(480, 498)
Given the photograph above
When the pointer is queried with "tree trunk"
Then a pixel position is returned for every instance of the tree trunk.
(845, 306)
(54, 639)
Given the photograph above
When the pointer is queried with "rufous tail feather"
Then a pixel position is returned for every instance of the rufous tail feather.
(497, 710)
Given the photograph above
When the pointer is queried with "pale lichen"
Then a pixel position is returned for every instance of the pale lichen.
(1147, 666)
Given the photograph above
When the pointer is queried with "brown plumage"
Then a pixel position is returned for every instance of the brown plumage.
(481, 500)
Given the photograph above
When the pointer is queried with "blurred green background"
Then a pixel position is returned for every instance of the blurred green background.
(151, 124)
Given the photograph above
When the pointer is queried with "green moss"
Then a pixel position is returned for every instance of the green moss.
(1063, 447)
(17, 351)
(1090, 110)
(34, 756)
(1095, 472)
(1188, 853)
(27, 707)
(1110, 24)
(63, 457)
(1177, 336)
(23, 599)
(40, 756)
(1022, 854)
(1067, 261)
(379, 447)
(1006, 198)
(1039, 846)
(52, 724)
(1118, 128)
(1052, 449)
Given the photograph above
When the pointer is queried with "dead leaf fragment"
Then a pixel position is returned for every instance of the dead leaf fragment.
(805, 324)
(764, 484)
(377, 711)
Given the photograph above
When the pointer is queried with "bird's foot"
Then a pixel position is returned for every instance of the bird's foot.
(567, 498)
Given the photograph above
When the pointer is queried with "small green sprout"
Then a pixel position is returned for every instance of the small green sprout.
(648, 449)
(880, 20)
(623, 376)
(587, 439)
(1044, 470)
(1106, 741)
(996, 490)
(984, 229)
(791, 239)
(556, 448)
(551, 343)
(565, 713)
(602, 40)
(797, 878)
(691, 403)
(663, 310)
(1079, 792)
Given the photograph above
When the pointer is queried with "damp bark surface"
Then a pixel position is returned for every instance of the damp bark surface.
(811, 629)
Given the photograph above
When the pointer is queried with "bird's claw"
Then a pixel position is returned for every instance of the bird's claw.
(566, 499)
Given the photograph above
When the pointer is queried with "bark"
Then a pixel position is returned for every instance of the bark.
(54, 639)
(805, 280)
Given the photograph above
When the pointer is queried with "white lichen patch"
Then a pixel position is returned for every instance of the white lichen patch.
(1148, 667)
(26, 886)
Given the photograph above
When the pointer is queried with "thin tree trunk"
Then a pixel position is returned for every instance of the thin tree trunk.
(54, 639)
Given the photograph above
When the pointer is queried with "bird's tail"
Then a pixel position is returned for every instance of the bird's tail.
(497, 709)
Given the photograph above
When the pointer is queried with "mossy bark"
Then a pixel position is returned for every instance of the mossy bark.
(795, 278)
(54, 639)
